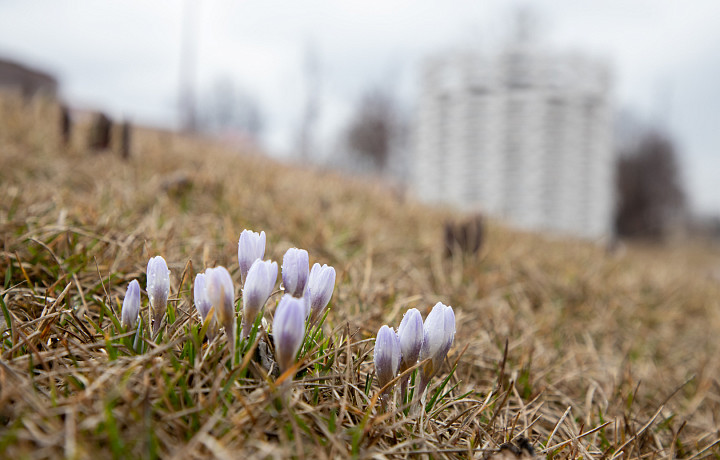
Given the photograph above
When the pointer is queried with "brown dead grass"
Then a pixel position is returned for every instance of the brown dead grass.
(585, 353)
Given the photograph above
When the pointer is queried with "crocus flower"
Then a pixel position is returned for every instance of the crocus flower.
(295, 271)
(131, 305)
(306, 302)
(410, 333)
(288, 330)
(203, 304)
(221, 295)
(251, 247)
(321, 284)
(386, 355)
(439, 333)
(258, 287)
(158, 289)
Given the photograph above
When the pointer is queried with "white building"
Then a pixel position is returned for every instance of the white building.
(522, 135)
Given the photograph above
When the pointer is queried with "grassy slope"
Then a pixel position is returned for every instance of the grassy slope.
(627, 342)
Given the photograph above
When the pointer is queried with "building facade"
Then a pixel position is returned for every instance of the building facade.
(17, 77)
(522, 135)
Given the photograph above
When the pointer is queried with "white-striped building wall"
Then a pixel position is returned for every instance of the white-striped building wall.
(522, 136)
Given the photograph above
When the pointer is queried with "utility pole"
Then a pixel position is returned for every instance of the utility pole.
(312, 102)
(188, 61)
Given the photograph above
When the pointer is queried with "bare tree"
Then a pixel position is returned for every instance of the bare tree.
(188, 63)
(100, 132)
(227, 107)
(311, 111)
(375, 127)
(651, 198)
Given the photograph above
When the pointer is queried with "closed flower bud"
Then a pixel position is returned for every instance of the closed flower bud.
(203, 304)
(221, 296)
(258, 287)
(410, 333)
(251, 247)
(306, 302)
(386, 355)
(158, 289)
(450, 330)
(321, 284)
(411, 336)
(295, 271)
(439, 333)
(288, 330)
(131, 305)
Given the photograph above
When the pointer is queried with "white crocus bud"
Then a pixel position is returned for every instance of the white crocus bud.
(439, 333)
(295, 271)
(321, 284)
(306, 302)
(288, 330)
(258, 286)
(203, 304)
(221, 295)
(411, 336)
(158, 289)
(251, 247)
(131, 305)
(386, 355)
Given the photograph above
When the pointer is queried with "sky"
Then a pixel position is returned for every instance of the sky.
(125, 57)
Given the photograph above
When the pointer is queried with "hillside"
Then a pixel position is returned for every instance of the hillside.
(585, 353)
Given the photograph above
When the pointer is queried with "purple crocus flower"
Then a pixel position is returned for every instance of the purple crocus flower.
(386, 355)
(439, 333)
(221, 296)
(203, 304)
(131, 305)
(158, 289)
(288, 330)
(411, 336)
(251, 247)
(295, 271)
(321, 284)
(258, 286)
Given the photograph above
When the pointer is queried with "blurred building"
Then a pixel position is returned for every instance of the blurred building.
(523, 135)
(23, 79)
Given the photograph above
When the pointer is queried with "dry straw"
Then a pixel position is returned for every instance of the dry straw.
(586, 354)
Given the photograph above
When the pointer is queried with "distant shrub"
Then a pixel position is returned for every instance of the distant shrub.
(651, 200)
(464, 237)
(100, 132)
(374, 127)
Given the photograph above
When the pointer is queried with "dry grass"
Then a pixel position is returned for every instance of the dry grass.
(584, 353)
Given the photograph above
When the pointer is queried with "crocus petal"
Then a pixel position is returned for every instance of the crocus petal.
(386, 355)
(295, 271)
(450, 333)
(251, 247)
(411, 335)
(131, 305)
(306, 301)
(288, 330)
(439, 333)
(158, 288)
(321, 284)
(202, 303)
(259, 285)
(221, 295)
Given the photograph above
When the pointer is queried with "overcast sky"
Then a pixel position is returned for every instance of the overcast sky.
(125, 57)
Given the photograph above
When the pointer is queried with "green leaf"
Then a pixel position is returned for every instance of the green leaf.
(8, 320)
(439, 390)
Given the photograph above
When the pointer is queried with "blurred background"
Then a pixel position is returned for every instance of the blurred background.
(592, 119)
